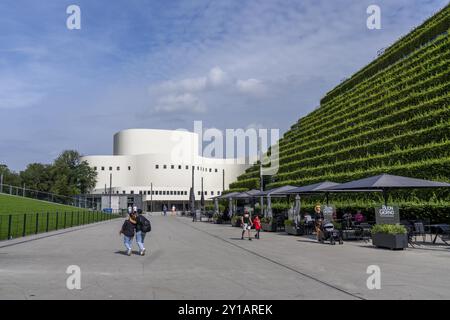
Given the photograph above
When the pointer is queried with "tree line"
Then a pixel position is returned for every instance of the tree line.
(67, 175)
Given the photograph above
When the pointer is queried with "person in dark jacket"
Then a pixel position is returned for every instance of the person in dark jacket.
(140, 234)
(128, 230)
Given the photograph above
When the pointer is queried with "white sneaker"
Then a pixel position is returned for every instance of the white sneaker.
(129, 252)
(143, 252)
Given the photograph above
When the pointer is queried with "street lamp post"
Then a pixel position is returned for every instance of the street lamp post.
(151, 197)
(110, 191)
(261, 177)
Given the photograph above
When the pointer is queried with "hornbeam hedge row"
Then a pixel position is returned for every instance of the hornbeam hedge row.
(433, 126)
(434, 26)
(392, 116)
(395, 111)
(438, 51)
(342, 112)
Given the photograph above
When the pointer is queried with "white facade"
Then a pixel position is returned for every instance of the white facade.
(163, 160)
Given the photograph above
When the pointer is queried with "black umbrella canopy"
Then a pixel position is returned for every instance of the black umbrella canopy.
(192, 200)
(316, 187)
(202, 200)
(387, 181)
(247, 194)
(229, 195)
(280, 191)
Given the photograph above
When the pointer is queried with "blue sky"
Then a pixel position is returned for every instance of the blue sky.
(164, 64)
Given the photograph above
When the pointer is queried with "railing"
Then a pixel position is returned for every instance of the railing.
(21, 225)
(81, 201)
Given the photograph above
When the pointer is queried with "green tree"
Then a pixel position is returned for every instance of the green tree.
(71, 175)
(37, 176)
(10, 177)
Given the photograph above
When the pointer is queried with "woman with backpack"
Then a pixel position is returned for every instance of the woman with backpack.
(142, 227)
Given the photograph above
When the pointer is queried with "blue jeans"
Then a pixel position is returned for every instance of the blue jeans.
(127, 241)
(140, 236)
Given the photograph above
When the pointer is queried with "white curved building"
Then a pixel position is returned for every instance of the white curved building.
(158, 164)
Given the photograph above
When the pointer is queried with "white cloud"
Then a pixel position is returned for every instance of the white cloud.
(191, 95)
(216, 77)
(186, 102)
(251, 86)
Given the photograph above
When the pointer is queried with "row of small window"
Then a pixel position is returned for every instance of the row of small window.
(165, 167)
(157, 166)
(111, 168)
(168, 193)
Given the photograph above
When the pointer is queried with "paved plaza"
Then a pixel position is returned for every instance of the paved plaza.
(189, 260)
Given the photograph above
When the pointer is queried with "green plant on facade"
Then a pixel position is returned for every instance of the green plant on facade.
(392, 117)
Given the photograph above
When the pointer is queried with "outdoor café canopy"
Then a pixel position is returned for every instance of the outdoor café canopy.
(247, 194)
(385, 182)
(280, 191)
(231, 195)
(313, 188)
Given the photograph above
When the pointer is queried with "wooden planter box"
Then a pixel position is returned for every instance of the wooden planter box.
(390, 241)
(269, 227)
(299, 231)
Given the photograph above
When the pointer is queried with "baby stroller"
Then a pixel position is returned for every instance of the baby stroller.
(329, 233)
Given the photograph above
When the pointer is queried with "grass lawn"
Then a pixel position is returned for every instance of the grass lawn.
(29, 216)
(16, 204)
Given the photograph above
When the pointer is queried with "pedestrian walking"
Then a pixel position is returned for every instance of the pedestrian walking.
(319, 221)
(257, 224)
(246, 223)
(165, 210)
(128, 230)
(143, 226)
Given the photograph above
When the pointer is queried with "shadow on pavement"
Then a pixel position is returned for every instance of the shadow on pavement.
(124, 253)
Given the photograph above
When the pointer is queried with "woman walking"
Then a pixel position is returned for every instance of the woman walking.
(319, 220)
(246, 222)
(128, 230)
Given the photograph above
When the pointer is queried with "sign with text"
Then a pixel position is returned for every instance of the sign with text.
(387, 215)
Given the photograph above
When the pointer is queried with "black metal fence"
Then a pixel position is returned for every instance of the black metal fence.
(20, 225)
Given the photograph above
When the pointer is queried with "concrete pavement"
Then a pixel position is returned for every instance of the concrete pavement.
(189, 260)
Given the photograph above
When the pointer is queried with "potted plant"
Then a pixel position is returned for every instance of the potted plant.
(391, 236)
(236, 221)
(292, 228)
(217, 218)
(268, 224)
